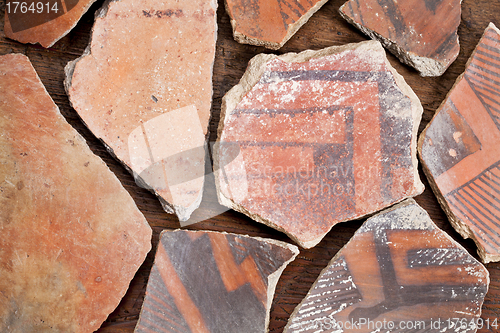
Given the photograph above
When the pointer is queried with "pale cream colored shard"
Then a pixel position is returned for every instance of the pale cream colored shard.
(54, 22)
(71, 237)
(144, 87)
(323, 136)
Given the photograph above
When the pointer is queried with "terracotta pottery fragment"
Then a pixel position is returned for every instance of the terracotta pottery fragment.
(398, 273)
(144, 87)
(460, 149)
(269, 23)
(44, 24)
(71, 237)
(205, 281)
(324, 137)
(421, 33)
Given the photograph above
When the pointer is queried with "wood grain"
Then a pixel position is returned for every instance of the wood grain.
(325, 28)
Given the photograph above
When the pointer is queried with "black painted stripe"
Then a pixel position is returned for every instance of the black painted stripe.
(486, 86)
(480, 207)
(496, 176)
(486, 96)
(489, 169)
(393, 13)
(322, 75)
(485, 70)
(492, 38)
(471, 72)
(492, 242)
(464, 202)
(481, 52)
(484, 61)
(481, 96)
(489, 48)
(272, 112)
(491, 187)
(360, 14)
(286, 144)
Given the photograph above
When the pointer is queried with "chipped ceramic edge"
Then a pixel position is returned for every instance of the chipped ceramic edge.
(417, 112)
(255, 69)
(430, 223)
(272, 279)
(182, 213)
(12, 34)
(244, 39)
(425, 66)
(86, 150)
(460, 226)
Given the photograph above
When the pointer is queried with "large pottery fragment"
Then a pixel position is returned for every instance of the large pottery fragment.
(322, 137)
(144, 87)
(71, 237)
(421, 33)
(460, 149)
(398, 273)
(205, 281)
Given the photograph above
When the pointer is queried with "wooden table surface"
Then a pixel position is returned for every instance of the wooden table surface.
(325, 28)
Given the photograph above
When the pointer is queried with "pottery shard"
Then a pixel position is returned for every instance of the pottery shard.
(398, 273)
(71, 237)
(460, 149)
(205, 281)
(56, 19)
(144, 87)
(269, 23)
(322, 137)
(421, 33)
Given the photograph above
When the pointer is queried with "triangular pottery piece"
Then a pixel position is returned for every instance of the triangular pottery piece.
(71, 237)
(204, 281)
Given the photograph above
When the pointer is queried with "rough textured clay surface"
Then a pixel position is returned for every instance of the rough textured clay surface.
(269, 23)
(399, 270)
(47, 27)
(144, 87)
(324, 137)
(205, 281)
(421, 33)
(71, 237)
(460, 149)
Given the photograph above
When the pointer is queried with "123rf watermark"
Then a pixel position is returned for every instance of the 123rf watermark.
(443, 325)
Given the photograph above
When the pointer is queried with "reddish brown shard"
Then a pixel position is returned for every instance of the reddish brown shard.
(269, 23)
(71, 237)
(421, 33)
(144, 87)
(460, 149)
(398, 273)
(44, 24)
(205, 281)
(324, 137)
